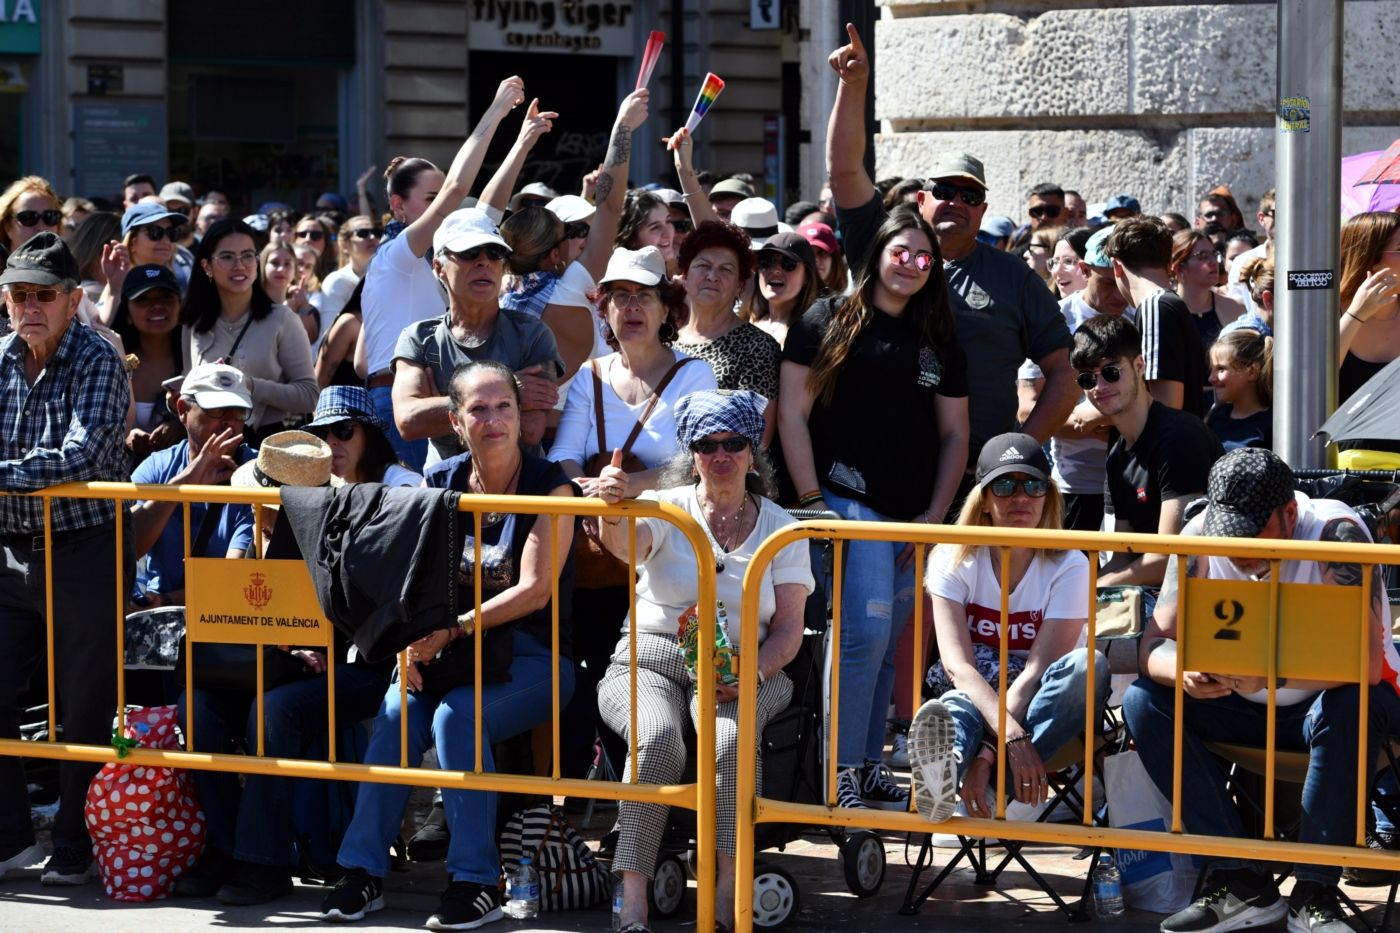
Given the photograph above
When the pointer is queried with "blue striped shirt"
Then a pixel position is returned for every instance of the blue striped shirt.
(70, 426)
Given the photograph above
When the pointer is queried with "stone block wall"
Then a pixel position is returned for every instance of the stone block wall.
(1160, 101)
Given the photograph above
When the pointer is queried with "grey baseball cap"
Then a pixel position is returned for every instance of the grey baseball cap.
(1246, 486)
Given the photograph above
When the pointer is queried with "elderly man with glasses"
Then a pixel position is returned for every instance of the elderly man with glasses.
(63, 403)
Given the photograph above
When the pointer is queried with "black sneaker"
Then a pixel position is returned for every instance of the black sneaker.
(69, 865)
(466, 905)
(878, 789)
(1233, 900)
(251, 884)
(206, 877)
(1373, 877)
(848, 796)
(356, 894)
(1313, 908)
(23, 858)
(429, 844)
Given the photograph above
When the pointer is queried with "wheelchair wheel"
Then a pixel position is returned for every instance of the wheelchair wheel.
(863, 860)
(667, 891)
(775, 897)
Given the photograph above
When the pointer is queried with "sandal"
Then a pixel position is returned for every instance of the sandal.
(636, 926)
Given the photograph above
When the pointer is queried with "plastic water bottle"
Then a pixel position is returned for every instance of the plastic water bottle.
(617, 903)
(524, 902)
(1108, 888)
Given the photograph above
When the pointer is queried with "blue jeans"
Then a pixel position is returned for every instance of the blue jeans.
(876, 599)
(1055, 715)
(507, 709)
(1326, 727)
(412, 453)
(257, 824)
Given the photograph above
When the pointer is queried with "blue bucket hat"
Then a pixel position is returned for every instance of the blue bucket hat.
(345, 403)
(138, 215)
(711, 411)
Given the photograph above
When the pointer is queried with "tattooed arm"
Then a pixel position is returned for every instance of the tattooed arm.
(611, 186)
(1157, 648)
(1340, 573)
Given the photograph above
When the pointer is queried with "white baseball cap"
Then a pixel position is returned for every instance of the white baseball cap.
(645, 266)
(466, 228)
(571, 207)
(212, 386)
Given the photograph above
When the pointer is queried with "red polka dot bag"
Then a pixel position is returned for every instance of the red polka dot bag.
(146, 825)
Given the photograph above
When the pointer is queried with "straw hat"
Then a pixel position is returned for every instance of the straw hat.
(289, 458)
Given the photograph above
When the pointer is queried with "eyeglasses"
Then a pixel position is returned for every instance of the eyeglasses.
(245, 258)
(1202, 255)
(1111, 374)
(228, 414)
(494, 252)
(682, 225)
(315, 236)
(576, 230)
(1005, 487)
(1267, 213)
(155, 232)
(922, 260)
(972, 197)
(706, 446)
(341, 430)
(639, 299)
(21, 296)
(768, 261)
(1044, 210)
(50, 218)
(367, 233)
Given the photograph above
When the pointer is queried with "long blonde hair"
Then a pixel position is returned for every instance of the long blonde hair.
(973, 515)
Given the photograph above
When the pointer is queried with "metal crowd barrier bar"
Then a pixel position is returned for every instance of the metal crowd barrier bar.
(1316, 644)
(698, 796)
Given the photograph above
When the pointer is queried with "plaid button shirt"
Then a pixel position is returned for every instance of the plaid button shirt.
(70, 426)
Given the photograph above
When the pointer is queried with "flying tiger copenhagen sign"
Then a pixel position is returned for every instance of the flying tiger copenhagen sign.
(248, 602)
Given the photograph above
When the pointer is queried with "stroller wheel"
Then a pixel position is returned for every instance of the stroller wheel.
(863, 859)
(775, 897)
(667, 891)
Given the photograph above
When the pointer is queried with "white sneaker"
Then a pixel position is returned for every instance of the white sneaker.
(935, 770)
(949, 840)
(25, 858)
(899, 752)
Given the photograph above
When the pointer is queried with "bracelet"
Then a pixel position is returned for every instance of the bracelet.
(1350, 315)
(809, 499)
(1023, 737)
(467, 623)
(687, 196)
(761, 677)
(612, 524)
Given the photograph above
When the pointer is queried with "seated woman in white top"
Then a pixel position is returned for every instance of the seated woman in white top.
(1048, 607)
(722, 477)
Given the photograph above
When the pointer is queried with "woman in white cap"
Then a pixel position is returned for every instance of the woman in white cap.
(723, 479)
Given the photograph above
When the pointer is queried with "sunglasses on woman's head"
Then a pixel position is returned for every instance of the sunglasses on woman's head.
(494, 252)
(50, 218)
(367, 233)
(707, 446)
(1005, 487)
(1087, 380)
(315, 236)
(575, 230)
(155, 232)
(768, 261)
(972, 197)
(903, 256)
(341, 430)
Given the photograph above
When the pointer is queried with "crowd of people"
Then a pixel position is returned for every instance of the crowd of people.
(887, 352)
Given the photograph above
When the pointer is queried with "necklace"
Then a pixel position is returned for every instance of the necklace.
(725, 532)
(491, 518)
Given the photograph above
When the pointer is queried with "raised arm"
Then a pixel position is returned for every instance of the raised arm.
(364, 201)
(610, 188)
(496, 194)
(683, 147)
(845, 132)
(460, 175)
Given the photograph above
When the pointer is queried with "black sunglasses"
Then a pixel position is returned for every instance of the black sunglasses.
(494, 252)
(50, 218)
(1005, 487)
(341, 430)
(682, 225)
(768, 261)
(731, 445)
(575, 230)
(1044, 210)
(972, 197)
(367, 233)
(315, 236)
(1111, 373)
(155, 232)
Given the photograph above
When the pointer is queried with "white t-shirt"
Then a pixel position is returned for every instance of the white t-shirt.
(1259, 251)
(395, 475)
(577, 437)
(1055, 586)
(666, 583)
(572, 291)
(335, 294)
(400, 289)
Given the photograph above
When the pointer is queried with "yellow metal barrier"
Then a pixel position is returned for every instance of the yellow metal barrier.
(1318, 644)
(699, 796)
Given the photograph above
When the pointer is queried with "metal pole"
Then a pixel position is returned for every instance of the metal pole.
(1309, 133)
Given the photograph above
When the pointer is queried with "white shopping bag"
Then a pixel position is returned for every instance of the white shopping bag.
(1161, 882)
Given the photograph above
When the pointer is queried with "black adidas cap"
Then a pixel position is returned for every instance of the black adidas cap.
(1012, 453)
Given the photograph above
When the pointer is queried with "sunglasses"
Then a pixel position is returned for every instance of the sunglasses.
(1044, 210)
(315, 236)
(902, 256)
(1213, 215)
(1005, 487)
(178, 209)
(50, 218)
(682, 226)
(341, 430)
(155, 232)
(731, 445)
(494, 252)
(367, 233)
(1111, 373)
(22, 295)
(767, 261)
(575, 230)
(972, 197)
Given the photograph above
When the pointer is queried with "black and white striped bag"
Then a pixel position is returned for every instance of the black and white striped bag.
(571, 878)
